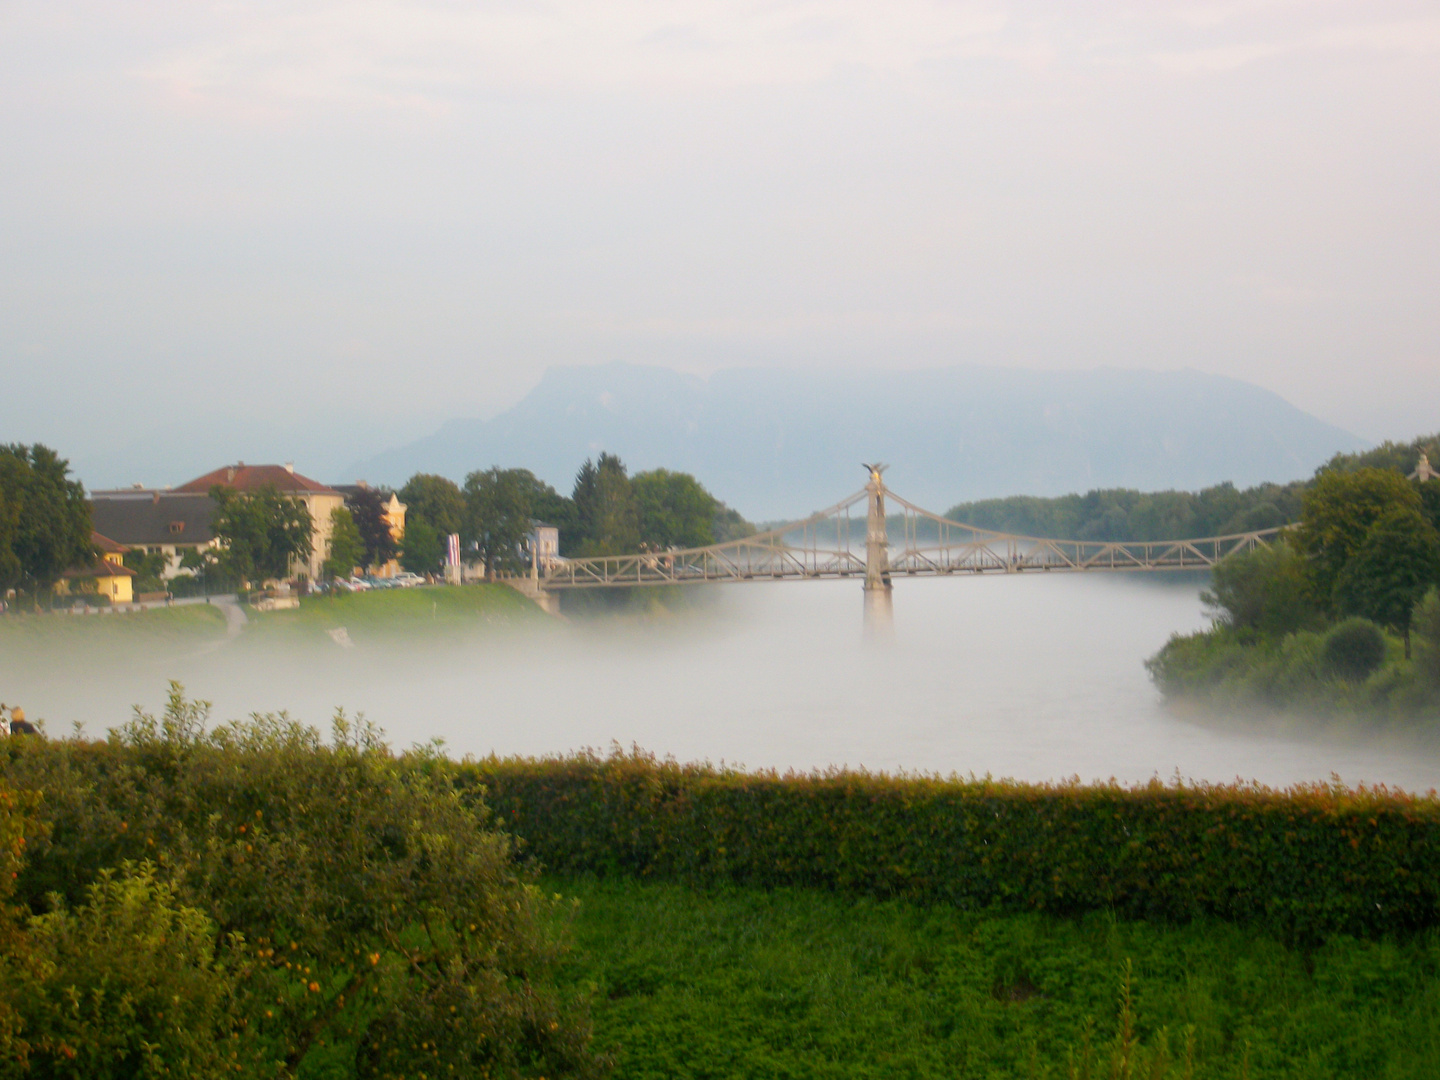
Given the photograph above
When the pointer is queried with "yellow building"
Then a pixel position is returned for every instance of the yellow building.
(107, 576)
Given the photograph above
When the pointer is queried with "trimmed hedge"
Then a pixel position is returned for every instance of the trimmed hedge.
(1307, 861)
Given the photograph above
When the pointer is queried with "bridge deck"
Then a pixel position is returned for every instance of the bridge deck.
(795, 552)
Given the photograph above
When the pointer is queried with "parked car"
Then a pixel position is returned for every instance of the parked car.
(408, 580)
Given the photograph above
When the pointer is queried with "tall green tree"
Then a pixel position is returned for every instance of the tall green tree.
(11, 570)
(44, 517)
(347, 549)
(1430, 500)
(1267, 590)
(675, 510)
(608, 518)
(547, 504)
(1337, 511)
(498, 509)
(367, 507)
(260, 532)
(1393, 569)
(435, 500)
(423, 550)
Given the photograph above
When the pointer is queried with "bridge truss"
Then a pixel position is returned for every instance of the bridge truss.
(837, 543)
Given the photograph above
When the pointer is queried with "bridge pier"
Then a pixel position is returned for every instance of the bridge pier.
(879, 594)
(879, 614)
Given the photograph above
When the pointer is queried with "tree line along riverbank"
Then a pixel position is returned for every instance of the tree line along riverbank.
(1339, 616)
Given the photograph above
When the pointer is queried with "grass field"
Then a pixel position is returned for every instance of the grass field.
(157, 628)
(367, 617)
(384, 614)
(793, 984)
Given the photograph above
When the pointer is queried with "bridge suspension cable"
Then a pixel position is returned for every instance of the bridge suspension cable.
(795, 552)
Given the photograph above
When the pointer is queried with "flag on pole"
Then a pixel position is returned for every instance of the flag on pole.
(452, 549)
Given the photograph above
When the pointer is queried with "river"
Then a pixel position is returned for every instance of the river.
(1033, 677)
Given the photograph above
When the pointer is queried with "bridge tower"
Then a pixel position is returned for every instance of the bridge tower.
(879, 609)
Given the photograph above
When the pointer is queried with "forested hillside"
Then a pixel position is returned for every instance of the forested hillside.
(1125, 514)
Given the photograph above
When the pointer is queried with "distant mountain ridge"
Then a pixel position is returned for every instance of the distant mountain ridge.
(778, 443)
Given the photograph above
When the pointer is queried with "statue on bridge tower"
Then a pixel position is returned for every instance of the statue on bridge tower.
(879, 609)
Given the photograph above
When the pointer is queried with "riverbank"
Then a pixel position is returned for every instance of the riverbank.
(51, 633)
(371, 616)
(390, 616)
(1303, 675)
(805, 983)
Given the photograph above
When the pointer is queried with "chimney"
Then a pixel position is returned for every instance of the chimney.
(230, 474)
(290, 467)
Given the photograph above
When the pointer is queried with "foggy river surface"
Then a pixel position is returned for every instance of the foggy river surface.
(1035, 677)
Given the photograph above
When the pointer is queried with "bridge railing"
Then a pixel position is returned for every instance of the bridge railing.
(798, 552)
(958, 547)
(764, 555)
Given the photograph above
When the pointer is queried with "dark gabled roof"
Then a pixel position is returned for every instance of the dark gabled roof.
(244, 477)
(137, 517)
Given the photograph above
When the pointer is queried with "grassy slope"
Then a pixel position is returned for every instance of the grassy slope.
(158, 628)
(793, 983)
(373, 616)
(380, 616)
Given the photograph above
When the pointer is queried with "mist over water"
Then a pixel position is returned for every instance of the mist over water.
(1034, 677)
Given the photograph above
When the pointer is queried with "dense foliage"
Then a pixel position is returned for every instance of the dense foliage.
(250, 900)
(1354, 649)
(1396, 456)
(1338, 510)
(1266, 590)
(44, 518)
(149, 567)
(367, 508)
(347, 549)
(804, 983)
(1309, 861)
(435, 500)
(674, 510)
(1298, 625)
(261, 533)
(608, 513)
(424, 550)
(500, 506)
(1123, 514)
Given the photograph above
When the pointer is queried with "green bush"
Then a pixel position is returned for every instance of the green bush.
(1354, 649)
(127, 985)
(16, 809)
(1307, 862)
(1267, 590)
(377, 921)
(1426, 624)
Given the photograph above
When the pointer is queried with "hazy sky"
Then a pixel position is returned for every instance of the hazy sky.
(366, 217)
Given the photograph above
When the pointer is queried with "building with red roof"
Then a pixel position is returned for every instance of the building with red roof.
(320, 500)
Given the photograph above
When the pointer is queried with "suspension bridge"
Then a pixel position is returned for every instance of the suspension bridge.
(839, 543)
